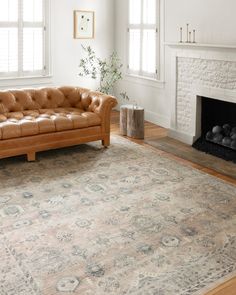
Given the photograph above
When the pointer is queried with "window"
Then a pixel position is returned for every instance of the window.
(23, 38)
(143, 41)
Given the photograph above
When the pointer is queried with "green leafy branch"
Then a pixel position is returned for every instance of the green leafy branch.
(109, 70)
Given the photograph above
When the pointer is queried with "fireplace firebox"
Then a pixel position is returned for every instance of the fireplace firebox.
(218, 128)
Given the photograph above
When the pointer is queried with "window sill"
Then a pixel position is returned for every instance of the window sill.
(25, 81)
(146, 81)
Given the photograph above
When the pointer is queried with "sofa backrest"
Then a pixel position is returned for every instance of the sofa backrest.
(44, 98)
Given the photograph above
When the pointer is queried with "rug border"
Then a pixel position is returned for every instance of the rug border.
(231, 178)
(166, 155)
(212, 286)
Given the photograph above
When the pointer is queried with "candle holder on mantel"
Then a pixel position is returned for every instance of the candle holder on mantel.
(190, 35)
(194, 36)
(181, 35)
(187, 41)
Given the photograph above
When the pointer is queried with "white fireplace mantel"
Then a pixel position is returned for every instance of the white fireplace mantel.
(201, 45)
(198, 70)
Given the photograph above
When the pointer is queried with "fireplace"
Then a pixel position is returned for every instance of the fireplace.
(218, 128)
(203, 96)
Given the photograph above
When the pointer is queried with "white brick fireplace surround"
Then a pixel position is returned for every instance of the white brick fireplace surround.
(198, 71)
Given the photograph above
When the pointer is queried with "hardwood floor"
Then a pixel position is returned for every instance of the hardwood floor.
(153, 131)
(228, 288)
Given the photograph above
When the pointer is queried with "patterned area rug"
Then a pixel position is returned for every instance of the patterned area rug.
(117, 221)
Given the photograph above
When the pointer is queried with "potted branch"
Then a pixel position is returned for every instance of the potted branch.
(109, 72)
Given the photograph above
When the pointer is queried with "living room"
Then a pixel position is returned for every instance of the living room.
(117, 147)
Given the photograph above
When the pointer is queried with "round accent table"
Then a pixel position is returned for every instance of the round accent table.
(132, 121)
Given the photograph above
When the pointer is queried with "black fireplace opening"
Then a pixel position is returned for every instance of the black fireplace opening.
(218, 121)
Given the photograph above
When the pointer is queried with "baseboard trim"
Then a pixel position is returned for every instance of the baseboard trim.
(157, 119)
(181, 136)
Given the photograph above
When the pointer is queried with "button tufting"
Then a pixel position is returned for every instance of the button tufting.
(48, 111)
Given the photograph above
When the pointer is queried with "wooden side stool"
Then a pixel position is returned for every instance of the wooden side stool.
(132, 121)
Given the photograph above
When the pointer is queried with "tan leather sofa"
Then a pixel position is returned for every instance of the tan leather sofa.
(34, 120)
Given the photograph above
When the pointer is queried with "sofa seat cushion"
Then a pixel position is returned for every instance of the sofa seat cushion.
(32, 122)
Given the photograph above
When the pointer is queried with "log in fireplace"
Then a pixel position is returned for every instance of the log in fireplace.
(218, 126)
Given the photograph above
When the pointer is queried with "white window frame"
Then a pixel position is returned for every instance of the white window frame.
(142, 27)
(45, 24)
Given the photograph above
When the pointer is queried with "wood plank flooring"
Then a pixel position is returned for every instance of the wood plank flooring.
(153, 131)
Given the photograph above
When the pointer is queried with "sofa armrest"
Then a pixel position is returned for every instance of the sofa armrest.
(102, 105)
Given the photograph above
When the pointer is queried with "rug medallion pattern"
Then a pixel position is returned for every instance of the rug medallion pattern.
(119, 221)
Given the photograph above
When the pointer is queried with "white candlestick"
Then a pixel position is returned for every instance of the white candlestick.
(187, 32)
(181, 35)
(194, 36)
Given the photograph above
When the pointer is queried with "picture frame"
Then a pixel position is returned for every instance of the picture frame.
(84, 24)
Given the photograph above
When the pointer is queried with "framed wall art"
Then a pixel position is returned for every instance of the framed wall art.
(83, 24)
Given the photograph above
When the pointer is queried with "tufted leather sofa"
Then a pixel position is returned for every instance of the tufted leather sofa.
(34, 120)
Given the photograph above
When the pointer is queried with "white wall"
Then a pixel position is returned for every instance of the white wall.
(214, 20)
(215, 23)
(66, 51)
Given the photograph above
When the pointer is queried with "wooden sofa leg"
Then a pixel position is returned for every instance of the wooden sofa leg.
(31, 157)
(106, 141)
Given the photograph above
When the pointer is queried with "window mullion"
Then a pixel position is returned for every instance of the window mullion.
(44, 27)
(141, 39)
(33, 24)
(8, 24)
(20, 38)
